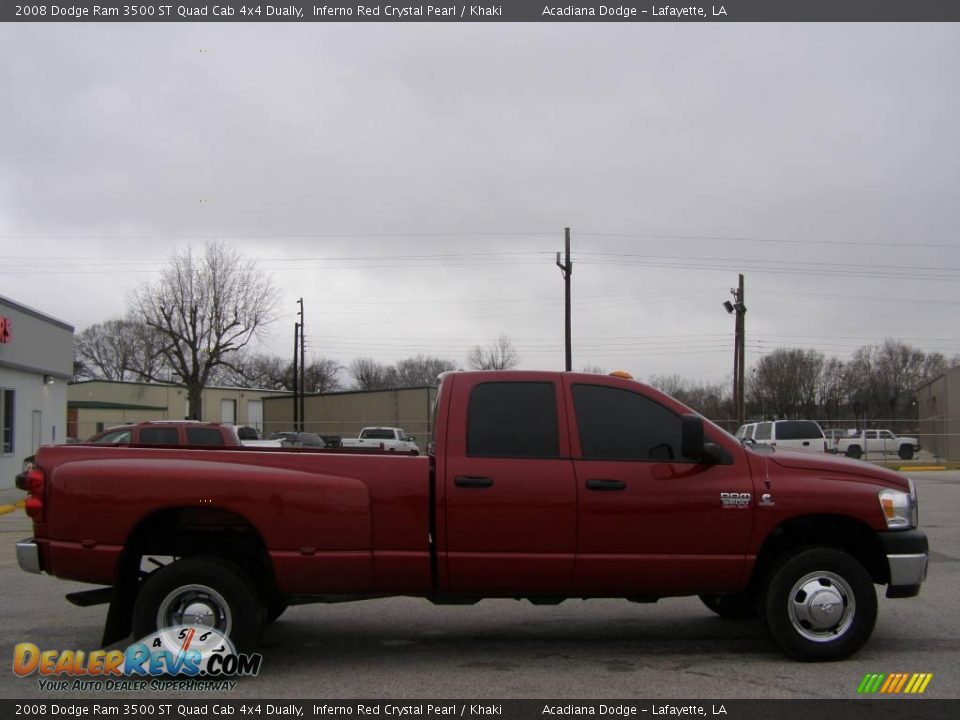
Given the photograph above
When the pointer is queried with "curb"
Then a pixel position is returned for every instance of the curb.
(922, 468)
(6, 509)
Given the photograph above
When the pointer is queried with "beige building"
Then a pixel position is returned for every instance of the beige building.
(93, 405)
(346, 413)
(938, 404)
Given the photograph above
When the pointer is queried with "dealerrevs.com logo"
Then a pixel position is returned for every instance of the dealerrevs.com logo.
(894, 683)
(181, 658)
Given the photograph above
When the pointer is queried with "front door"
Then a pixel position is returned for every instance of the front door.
(651, 520)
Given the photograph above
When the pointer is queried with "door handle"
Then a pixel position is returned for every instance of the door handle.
(607, 485)
(466, 481)
(806, 443)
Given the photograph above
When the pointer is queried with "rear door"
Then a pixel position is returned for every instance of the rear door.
(510, 495)
(651, 520)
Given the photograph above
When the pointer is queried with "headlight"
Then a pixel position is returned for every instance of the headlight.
(899, 508)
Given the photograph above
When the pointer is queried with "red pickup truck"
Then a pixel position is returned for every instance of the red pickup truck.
(538, 485)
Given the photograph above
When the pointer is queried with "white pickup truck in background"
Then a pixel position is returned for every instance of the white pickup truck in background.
(874, 442)
(390, 439)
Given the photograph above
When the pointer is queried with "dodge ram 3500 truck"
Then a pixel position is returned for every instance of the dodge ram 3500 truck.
(538, 485)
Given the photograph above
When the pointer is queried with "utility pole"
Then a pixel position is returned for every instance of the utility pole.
(739, 347)
(741, 321)
(296, 349)
(566, 269)
(303, 369)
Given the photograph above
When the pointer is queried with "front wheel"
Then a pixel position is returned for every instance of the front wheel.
(905, 452)
(200, 591)
(820, 605)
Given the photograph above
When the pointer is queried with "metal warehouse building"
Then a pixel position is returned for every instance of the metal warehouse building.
(94, 405)
(36, 361)
(346, 413)
(938, 403)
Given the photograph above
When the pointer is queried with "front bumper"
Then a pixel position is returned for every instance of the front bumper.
(28, 556)
(907, 559)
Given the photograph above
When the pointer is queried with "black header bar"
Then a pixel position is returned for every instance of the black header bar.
(506, 11)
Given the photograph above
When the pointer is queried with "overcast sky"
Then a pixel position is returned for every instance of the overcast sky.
(412, 182)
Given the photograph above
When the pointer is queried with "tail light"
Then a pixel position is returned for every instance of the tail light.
(35, 480)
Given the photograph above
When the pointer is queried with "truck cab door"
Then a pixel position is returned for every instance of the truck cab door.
(650, 520)
(509, 495)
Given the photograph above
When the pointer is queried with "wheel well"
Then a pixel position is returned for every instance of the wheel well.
(190, 531)
(842, 533)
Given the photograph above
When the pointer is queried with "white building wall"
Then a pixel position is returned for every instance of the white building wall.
(31, 394)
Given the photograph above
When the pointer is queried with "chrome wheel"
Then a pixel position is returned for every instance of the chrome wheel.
(195, 605)
(821, 606)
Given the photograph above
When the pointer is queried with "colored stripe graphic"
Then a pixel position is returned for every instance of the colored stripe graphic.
(894, 684)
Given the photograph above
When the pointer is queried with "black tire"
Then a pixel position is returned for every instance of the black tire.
(854, 452)
(905, 452)
(275, 608)
(216, 586)
(740, 606)
(820, 605)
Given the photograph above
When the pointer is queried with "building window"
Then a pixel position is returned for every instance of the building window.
(7, 420)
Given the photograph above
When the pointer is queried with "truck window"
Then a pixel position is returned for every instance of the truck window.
(204, 436)
(763, 431)
(616, 424)
(513, 419)
(377, 434)
(798, 430)
(159, 436)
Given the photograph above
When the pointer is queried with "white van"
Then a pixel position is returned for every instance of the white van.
(804, 435)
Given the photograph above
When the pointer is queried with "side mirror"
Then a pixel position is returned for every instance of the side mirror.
(691, 436)
(692, 444)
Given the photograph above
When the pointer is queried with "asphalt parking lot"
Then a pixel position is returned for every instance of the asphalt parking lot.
(600, 649)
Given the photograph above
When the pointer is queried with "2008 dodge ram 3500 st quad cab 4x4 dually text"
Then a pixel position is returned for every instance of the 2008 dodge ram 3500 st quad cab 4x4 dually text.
(539, 485)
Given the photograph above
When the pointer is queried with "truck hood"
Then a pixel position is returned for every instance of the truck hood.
(836, 465)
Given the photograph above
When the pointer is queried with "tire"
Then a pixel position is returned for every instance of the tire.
(905, 452)
(854, 452)
(820, 605)
(275, 608)
(741, 606)
(213, 590)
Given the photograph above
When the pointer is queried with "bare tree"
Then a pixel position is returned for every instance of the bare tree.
(369, 374)
(267, 371)
(321, 375)
(420, 371)
(207, 308)
(785, 382)
(706, 398)
(120, 349)
(499, 355)
(593, 370)
(833, 388)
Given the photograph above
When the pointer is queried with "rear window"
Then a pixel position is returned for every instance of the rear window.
(377, 434)
(513, 419)
(798, 430)
(159, 436)
(204, 436)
